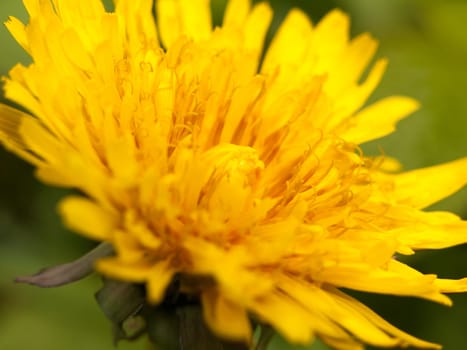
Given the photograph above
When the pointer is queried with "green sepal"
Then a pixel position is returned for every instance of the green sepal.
(121, 302)
(163, 327)
(182, 327)
(70, 272)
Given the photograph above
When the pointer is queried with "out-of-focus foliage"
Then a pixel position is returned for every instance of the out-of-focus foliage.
(426, 43)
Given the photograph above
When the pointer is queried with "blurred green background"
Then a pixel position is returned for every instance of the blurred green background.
(426, 43)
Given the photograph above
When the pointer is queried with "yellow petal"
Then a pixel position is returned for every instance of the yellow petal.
(239, 282)
(319, 301)
(452, 286)
(88, 218)
(341, 344)
(423, 187)
(357, 56)
(122, 160)
(146, 237)
(176, 18)
(127, 247)
(242, 100)
(159, 278)
(224, 317)
(17, 92)
(17, 30)
(290, 44)
(256, 26)
(356, 97)
(236, 12)
(331, 35)
(378, 119)
(404, 338)
(84, 9)
(54, 176)
(433, 293)
(388, 164)
(139, 22)
(76, 53)
(115, 268)
(433, 230)
(395, 281)
(41, 141)
(10, 122)
(297, 325)
(37, 7)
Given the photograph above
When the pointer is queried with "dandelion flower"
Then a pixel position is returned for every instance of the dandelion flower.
(240, 176)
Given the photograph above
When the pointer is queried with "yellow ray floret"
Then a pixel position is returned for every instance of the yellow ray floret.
(240, 176)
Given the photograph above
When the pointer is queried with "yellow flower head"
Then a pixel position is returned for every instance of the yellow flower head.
(241, 176)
